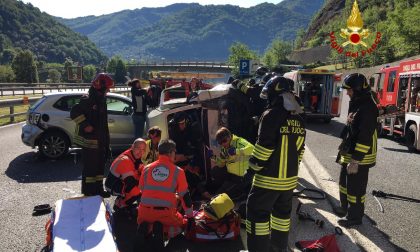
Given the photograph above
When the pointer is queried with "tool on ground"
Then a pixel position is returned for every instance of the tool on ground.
(302, 193)
(306, 216)
(380, 194)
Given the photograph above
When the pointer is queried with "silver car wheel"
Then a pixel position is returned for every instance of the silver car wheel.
(53, 145)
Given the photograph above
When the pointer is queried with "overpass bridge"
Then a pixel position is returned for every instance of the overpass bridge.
(142, 69)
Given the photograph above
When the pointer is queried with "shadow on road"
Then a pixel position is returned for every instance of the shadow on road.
(333, 128)
(31, 168)
(369, 229)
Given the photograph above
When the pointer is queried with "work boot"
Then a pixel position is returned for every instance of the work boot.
(339, 211)
(141, 235)
(157, 236)
(349, 223)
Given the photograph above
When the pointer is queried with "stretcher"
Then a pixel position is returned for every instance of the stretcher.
(81, 224)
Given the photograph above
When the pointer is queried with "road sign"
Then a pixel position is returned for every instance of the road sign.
(75, 73)
(244, 67)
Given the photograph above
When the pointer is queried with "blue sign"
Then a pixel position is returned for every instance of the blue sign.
(244, 67)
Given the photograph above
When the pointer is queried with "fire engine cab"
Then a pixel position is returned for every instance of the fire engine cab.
(398, 93)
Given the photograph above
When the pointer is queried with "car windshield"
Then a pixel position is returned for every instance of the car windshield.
(37, 103)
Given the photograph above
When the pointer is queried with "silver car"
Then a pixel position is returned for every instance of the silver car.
(49, 126)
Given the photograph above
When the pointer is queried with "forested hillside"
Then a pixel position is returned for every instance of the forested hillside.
(194, 32)
(397, 21)
(24, 26)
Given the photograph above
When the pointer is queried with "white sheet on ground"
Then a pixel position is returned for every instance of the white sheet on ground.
(80, 225)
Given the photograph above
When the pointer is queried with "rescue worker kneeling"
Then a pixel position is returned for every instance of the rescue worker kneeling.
(231, 165)
(162, 183)
(123, 177)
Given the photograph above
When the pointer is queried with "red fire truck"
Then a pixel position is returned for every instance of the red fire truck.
(398, 90)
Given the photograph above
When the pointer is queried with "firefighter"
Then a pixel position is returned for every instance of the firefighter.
(151, 153)
(274, 168)
(357, 152)
(231, 164)
(123, 177)
(257, 104)
(92, 134)
(162, 183)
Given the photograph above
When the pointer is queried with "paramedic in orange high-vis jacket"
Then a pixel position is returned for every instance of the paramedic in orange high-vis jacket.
(123, 177)
(162, 183)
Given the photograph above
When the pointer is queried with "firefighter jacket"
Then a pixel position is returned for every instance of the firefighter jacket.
(124, 175)
(91, 111)
(151, 154)
(360, 135)
(161, 182)
(258, 104)
(278, 150)
(238, 163)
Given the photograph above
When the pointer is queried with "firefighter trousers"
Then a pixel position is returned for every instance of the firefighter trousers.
(268, 212)
(92, 171)
(353, 191)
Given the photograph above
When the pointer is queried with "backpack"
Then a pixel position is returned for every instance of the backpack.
(208, 230)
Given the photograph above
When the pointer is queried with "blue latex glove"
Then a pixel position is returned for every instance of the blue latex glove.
(232, 151)
(210, 153)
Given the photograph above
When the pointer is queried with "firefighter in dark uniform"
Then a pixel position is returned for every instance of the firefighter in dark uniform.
(357, 152)
(92, 134)
(274, 161)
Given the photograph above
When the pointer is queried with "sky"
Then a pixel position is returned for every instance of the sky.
(81, 8)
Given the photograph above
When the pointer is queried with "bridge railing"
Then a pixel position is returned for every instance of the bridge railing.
(185, 64)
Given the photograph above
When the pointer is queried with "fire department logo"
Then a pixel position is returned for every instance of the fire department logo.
(354, 35)
(354, 24)
(160, 173)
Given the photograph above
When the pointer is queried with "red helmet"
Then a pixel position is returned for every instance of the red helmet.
(102, 81)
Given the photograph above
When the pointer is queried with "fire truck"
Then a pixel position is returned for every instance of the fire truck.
(319, 91)
(398, 93)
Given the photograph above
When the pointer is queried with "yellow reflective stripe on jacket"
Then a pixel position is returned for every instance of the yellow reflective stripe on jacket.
(367, 159)
(79, 119)
(363, 198)
(99, 177)
(343, 189)
(261, 152)
(351, 198)
(278, 184)
(284, 152)
(90, 179)
(88, 143)
(244, 88)
(362, 148)
(299, 142)
(280, 224)
(374, 142)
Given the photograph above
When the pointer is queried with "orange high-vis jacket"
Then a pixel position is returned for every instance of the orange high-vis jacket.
(123, 167)
(160, 182)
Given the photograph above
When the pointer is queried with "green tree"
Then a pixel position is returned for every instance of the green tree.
(277, 53)
(54, 76)
(6, 74)
(25, 67)
(89, 72)
(6, 57)
(67, 63)
(120, 72)
(299, 38)
(240, 51)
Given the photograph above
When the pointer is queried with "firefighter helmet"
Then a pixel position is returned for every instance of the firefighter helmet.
(102, 82)
(274, 87)
(356, 81)
(267, 77)
(261, 71)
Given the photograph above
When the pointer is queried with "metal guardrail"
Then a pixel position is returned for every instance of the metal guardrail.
(183, 64)
(12, 103)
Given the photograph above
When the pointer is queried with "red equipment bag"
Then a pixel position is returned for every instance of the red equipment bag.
(326, 243)
(207, 229)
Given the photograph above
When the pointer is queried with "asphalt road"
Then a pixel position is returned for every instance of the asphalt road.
(397, 171)
(27, 181)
